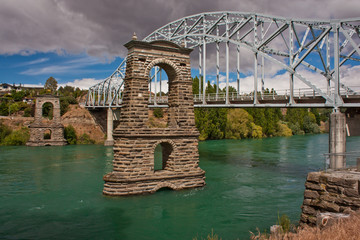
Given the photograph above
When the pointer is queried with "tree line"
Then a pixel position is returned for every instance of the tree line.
(239, 123)
(12, 103)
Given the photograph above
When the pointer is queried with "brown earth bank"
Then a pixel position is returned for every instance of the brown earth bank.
(83, 122)
(76, 116)
(16, 122)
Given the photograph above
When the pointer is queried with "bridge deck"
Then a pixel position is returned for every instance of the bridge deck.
(281, 101)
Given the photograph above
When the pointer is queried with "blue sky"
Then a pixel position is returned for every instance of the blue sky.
(36, 68)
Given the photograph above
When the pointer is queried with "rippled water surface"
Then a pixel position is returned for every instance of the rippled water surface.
(55, 192)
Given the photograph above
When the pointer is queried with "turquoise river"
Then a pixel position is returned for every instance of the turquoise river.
(56, 192)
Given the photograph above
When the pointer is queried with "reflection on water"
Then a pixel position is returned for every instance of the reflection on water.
(56, 192)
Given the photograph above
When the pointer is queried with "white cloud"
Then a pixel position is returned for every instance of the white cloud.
(101, 28)
(34, 85)
(84, 83)
(164, 86)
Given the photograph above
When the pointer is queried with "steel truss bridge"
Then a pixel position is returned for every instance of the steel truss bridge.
(296, 47)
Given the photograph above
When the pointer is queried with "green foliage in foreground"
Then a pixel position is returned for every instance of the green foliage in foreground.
(284, 222)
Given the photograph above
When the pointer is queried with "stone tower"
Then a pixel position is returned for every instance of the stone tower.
(44, 132)
(135, 141)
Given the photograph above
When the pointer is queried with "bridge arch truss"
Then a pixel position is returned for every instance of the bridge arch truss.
(321, 47)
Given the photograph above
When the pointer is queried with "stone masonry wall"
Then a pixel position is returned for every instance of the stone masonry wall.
(332, 191)
(135, 140)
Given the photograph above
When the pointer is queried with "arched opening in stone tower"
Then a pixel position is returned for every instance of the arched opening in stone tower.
(47, 134)
(162, 94)
(162, 154)
(48, 110)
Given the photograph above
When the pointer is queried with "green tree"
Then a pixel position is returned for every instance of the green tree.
(51, 84)
(211, 122)
(238, 124)
(309, 124)
(17, 137)
(255, 131)
(4, 109)
(284, 130)
(65, 102)
(18, 96)
(195, 85)
(4, 132)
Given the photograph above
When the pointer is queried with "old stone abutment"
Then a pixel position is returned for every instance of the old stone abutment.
(135, 140)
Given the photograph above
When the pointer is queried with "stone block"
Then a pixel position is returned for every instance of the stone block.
(313, 177)
(135, 142)
(350, 192)
(311, 194)
(309, 210)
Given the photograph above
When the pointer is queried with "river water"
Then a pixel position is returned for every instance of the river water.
(55, 192)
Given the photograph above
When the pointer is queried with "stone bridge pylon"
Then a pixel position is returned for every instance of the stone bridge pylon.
(135, 141)
(45, 132)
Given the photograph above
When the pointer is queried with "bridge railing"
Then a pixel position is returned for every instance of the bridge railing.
(351, 160)
(114, 98)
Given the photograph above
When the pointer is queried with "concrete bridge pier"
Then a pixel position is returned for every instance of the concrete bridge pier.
(109, 128)
(337, 139)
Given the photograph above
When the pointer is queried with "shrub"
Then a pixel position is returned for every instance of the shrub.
(65, 102)
(295, 128)
(4, 109)
(284, 222)
(27, 112)
(4, 132)
(85, 139)
(284, 130)
(17, 138)
(70, 135)
(158, 112)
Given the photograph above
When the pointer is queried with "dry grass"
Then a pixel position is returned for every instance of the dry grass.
(348, 229)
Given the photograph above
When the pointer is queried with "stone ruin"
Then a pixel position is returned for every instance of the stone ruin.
(135, 141)
(45, 132)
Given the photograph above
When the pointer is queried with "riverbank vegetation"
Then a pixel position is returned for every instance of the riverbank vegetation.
(10, 137)
(347, 228)
(71, 137)
(237, 123)
(22, 103)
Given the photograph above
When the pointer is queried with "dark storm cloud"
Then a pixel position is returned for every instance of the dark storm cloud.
(100, 28)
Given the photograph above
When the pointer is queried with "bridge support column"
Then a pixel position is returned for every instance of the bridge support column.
(109, 127)
(337, 140)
